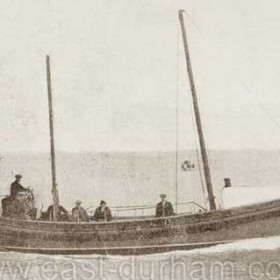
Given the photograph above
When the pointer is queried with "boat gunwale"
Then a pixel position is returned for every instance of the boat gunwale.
(212, 220)
(233, 209)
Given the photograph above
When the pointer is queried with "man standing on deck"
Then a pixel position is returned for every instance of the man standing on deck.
(79, 214)
(16, 187)
(164, 208)
(102, 213)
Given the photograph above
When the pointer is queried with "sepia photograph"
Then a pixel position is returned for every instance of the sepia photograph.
(140, 140)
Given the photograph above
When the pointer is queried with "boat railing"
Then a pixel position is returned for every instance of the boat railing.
(140, 211)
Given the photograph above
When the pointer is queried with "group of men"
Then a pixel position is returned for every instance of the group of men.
(102, 214)
(79, 214)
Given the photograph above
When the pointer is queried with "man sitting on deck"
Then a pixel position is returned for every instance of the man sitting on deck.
(79, 214)
(16, 187)
(102, 213)
(164, 208)
(62, 215)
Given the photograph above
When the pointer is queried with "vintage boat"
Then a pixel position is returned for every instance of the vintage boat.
(142, 235)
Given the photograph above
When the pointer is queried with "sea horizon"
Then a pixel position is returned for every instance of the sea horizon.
(125, 178)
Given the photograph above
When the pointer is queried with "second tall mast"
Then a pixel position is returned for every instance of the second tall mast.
(54, 183)
(197, 115)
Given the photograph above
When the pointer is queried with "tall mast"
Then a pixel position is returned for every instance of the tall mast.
(54, 184)
(197, 116)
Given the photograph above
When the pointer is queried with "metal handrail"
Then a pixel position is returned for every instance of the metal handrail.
(150, 206)
(138, 208)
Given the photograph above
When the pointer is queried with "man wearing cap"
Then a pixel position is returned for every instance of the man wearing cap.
(164, 208)
(79, 214)
(16, 187)
(102, 213)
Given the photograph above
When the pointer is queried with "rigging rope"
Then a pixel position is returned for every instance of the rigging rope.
(177, 123)
(268, 114)
(261, 106)
(177, 133)
(198, 159)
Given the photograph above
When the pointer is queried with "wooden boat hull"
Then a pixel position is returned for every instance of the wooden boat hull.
(181, 232)
(129, 250)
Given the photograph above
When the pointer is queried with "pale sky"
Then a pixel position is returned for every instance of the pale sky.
(114, 68)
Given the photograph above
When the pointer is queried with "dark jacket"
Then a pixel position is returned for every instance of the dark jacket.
(164, 211)
(102, 216)
(61, 216)
(16, 188)
(79, 214)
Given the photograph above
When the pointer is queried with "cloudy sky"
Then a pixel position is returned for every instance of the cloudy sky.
(116, 76)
